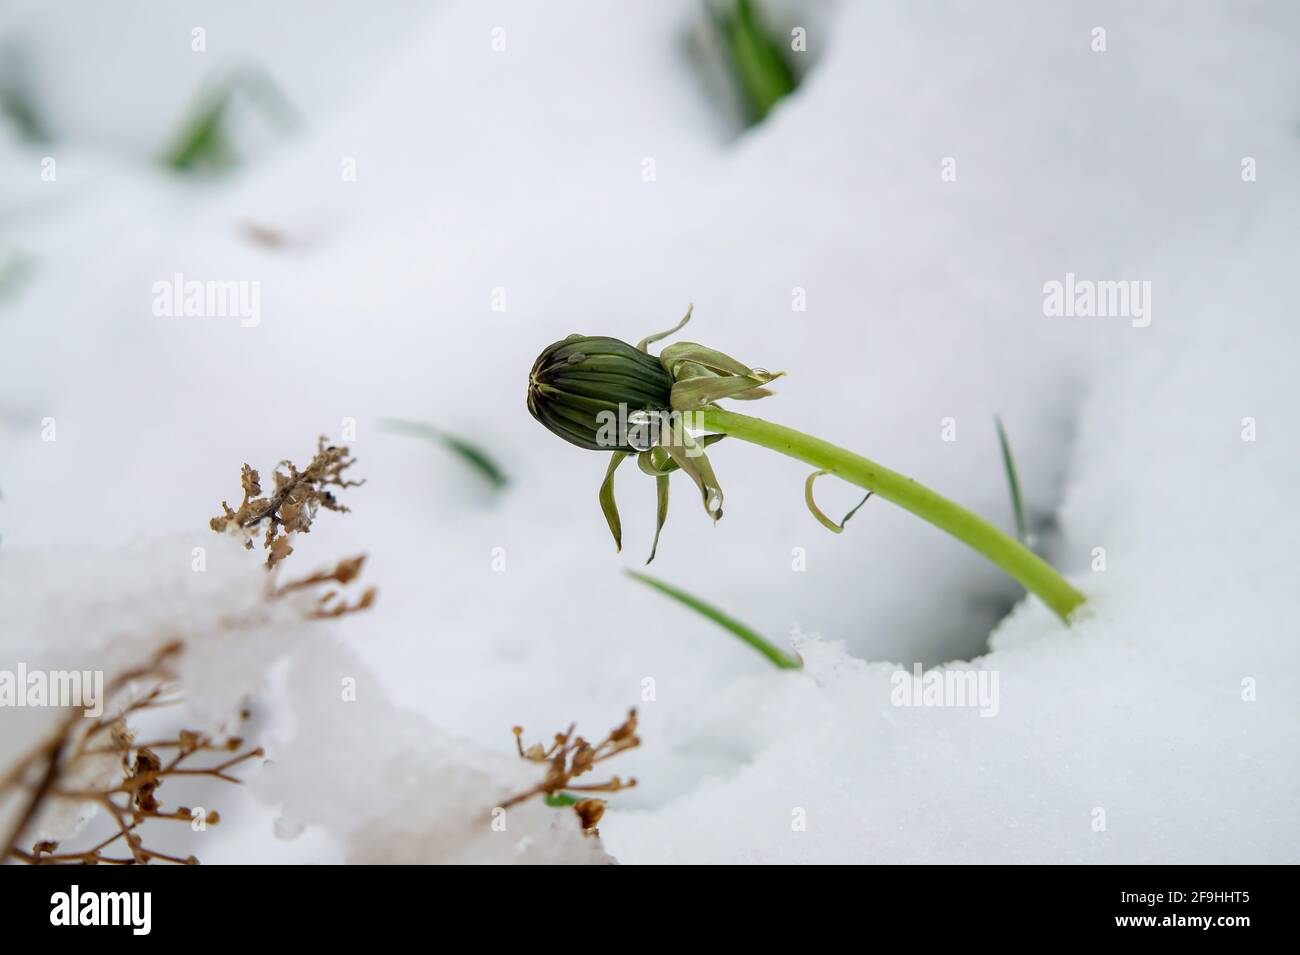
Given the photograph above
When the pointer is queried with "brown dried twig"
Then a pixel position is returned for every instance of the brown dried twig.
(570, 756)
(293, 504)
(131, 798)
(331, 603)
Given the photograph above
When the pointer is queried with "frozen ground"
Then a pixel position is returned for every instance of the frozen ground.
(1173, 708)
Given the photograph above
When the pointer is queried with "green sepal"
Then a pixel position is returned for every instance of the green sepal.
(607, 503)
(696, 464)
(696, 354)
(661, 512)
(703, 375)
(657, 461)
(644, 344)
(695, 392)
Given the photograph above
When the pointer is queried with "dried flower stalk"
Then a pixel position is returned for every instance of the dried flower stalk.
(293, 504)
(131, 799)
(570, 756)
(332, 603)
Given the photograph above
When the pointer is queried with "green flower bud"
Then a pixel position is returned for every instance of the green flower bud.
(606, 395)
(593, 390)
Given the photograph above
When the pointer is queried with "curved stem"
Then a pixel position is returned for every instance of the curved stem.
(1020, 562)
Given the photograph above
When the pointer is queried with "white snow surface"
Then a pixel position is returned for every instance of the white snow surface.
(1170, 711)
(376, 781)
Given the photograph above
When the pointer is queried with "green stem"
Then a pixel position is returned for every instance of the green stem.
(1020, 562)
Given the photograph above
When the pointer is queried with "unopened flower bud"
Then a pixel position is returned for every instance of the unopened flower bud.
(593, 390)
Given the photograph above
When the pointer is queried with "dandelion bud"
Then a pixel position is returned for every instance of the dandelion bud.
(599, 393)
(605, 395)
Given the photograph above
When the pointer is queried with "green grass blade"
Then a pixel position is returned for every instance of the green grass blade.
(779, 657)
(1013, 482)
(478, 459)
(16, 268)
(757, 62)
(203, 145)
(21, 112)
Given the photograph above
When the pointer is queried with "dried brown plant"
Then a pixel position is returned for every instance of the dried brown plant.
(49, 773)
(332, 603)
(570, 756)
(267, 236)
(293, 503)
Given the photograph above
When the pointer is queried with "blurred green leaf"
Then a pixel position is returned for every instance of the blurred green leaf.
(560, 800)
(758, 63)
(21, 112)
(16, 267)
(779, 657)
(472, 455)
(203, 143)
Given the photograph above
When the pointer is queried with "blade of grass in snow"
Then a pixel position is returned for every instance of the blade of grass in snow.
(757, 61)
(475, 457)
(15, 269)
(776, 655)
(203, 143)
(1013, 482)
(17, 107)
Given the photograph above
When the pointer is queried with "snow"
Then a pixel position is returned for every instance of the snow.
(523, 170)
(376, 777)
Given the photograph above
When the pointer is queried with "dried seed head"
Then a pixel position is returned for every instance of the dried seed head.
(589, 812)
